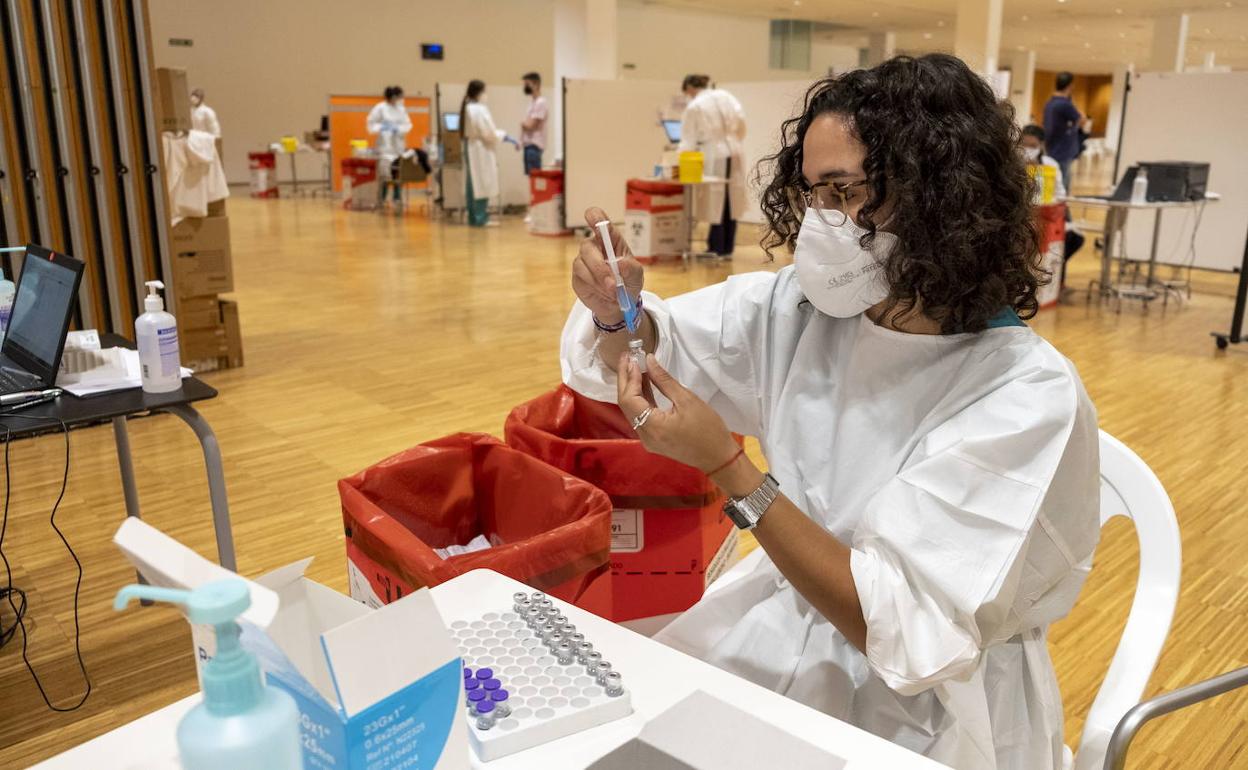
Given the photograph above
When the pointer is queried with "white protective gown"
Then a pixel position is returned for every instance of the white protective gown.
(391, 124)
(482, 137)
(962, 470)
(714, 123)
(204, 118)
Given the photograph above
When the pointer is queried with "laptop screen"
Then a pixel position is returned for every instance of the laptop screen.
(672, 127)
(41, 309)
(450, 121)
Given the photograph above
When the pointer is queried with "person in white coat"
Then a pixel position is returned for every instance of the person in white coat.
(389, 122)
(932, 501)
(714, 124)
(482, 138)
(203, 117)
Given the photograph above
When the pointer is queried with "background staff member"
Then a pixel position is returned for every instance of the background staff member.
(481, 137)
(1063, 123)
(390, 123)
(714, 123)
(203, 117)
(934, 505)
(533, 127)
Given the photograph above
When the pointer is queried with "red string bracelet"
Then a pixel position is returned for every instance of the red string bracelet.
(734, 458)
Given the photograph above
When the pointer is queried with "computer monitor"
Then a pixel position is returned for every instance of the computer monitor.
(47, 291)
(672, 129)
(450, 121)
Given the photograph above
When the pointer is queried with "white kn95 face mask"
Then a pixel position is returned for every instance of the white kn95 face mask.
(837, 275)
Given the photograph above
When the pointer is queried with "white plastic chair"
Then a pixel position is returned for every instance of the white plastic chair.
(1128, 488)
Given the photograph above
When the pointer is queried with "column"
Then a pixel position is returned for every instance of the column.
(1169, 43)
(1022, 66)
(585, 47)
(881, 46)
(977, 35)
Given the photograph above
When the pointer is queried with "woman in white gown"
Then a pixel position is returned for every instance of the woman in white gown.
(936, 460)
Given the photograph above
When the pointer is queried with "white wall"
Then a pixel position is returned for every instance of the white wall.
(669, 43)
(268, 66)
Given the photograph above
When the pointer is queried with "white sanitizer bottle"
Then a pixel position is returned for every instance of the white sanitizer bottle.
(1139, 188)
(156, 333)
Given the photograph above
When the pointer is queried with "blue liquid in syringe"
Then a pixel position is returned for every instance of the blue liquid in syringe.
(632, 317)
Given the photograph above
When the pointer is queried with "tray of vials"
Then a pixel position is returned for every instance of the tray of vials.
(531, 677)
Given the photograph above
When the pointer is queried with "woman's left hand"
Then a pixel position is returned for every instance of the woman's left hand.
(690, 432)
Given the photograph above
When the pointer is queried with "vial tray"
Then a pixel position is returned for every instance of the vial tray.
(547, 699)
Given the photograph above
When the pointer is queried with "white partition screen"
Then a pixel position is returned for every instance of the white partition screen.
(611, 134)
(1191, 117)
(767, 105)
(508, 106)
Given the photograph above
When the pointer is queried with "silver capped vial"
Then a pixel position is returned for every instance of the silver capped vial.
(519, 601)
(575, 638)
(567, 629)
(553, 641)
(583, 649)
(545, 632)
(637, 352)
(537, 596)
(559, 620)
(532, 616)
(592, 660)
(614, 684)
(600, 675)
(545, 604)
(565, 653)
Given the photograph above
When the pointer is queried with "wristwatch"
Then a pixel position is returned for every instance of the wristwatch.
(746, 511)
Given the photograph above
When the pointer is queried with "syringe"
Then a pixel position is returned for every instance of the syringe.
(632, 317)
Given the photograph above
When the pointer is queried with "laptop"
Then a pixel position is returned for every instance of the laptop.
(46, 292)
(672, 129)
(1122, 192)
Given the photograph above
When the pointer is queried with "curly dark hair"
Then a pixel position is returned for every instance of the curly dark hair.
(942, 152)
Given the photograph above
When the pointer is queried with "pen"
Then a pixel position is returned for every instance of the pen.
(34, 397)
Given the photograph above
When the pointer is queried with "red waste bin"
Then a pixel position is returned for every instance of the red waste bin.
(1051, 221)
(359, 183)
(655, 226)
(546, 214)
(669, 535)
(263, 167)
(546, 528)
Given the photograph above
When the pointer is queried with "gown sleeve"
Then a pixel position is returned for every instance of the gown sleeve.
(710, 340)
(974, 540)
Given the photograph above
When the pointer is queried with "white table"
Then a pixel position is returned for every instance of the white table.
(1115, 223)
(687, 197)
(657, 676)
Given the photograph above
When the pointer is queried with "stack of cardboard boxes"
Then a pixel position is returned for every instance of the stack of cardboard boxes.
(203, 269)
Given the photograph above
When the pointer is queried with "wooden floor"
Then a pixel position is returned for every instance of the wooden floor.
(366, 334)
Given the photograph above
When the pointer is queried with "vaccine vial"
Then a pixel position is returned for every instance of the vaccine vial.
(536, 596)
(565, 653)
(583, 649)
(545, 604)
(600, 675)
(614, 684)
(485, 715)
(575, 638)
(471, 684)
(546, 632)
(567, 629)
(491, 685)
(532, 615)
(559, 620)
(476, 696)
(502, 707)
(637, 351)
(485, 673)
(591, 660)
(519, 601)
(553, 641)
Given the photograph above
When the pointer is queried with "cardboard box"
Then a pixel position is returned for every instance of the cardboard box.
(198, 313)
(199, 344)
(233, 334)
(375, 688)
(651, 236)
(703, 732)
(202, 263)
(217, 208)
(173, 106)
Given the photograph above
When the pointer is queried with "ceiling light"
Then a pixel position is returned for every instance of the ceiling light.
(797, 2)
(927, 35)
(1087, 45)
(1077, 27)
(1021, 48)
(940, 23)
(1118, 11)
(1061, 1)
(875, 14)
(1025, 17)
(1044, 38)
(1122, 34)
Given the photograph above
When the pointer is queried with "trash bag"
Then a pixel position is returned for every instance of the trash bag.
(670, 536)
(546, 528)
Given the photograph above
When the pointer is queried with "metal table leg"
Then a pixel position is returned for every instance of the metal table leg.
(216, 482)
(121, 437)
(1152, 254)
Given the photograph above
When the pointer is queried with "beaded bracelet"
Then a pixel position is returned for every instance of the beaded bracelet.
(613, 328)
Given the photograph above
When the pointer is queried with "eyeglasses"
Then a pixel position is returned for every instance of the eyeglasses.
(830, 200)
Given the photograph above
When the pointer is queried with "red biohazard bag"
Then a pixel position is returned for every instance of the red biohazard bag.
(669, 535)
(546, 528)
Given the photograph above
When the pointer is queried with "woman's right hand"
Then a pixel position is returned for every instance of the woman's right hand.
(592, 279)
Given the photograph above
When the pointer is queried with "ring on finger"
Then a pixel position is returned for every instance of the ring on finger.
(640, 419)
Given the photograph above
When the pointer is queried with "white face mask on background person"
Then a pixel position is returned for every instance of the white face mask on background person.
(1031, 154)
(837, 275)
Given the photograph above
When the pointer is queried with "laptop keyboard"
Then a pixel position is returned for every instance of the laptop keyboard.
(11, 383)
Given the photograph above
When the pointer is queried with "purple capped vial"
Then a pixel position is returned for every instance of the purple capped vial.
(490, 685)
(485, 715)
(477, 696)
(467, 673)
(502, 709)
(471, 684)
(485, 673)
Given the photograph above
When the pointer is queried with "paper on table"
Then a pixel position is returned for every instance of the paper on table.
(89, 370)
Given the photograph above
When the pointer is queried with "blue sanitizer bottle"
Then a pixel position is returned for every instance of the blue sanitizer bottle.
(242, 724)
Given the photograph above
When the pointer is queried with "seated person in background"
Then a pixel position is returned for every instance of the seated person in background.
(1032, 143)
